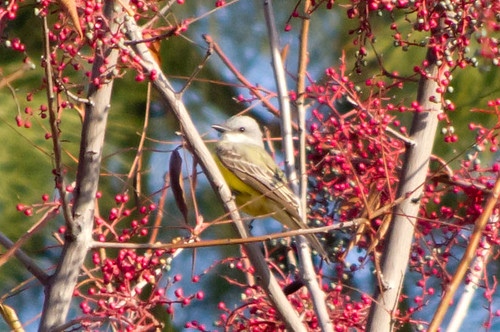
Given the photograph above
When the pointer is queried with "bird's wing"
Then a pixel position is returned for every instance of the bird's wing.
(255, 167)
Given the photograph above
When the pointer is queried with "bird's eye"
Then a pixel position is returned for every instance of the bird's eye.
(242, 129)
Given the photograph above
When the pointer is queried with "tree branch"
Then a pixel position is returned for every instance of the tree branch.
(413, 176)
(467, 258)
(14, 248)
(166, 92)
(317, 294)
(59, 293)
(54, 129)
(224, 242)
(474, 279)
(28, 263)
(306, 266)
(265, 101)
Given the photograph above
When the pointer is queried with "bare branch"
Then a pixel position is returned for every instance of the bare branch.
(467, 258)
(471, 286)
(28, 263)
(54, 128)
(239, 76)
(267, 280)
(413, 176)
(306, 267)
(224, 242)
(48, 215)
(17, 74)
(59, 293)
(317, 295)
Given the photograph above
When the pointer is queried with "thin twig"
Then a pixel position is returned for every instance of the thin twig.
(28, 263)
(226, 242)
(17, 74)
(47, 216)
(54, 128)
(14, 96)
(161, 13)
(197, 70)
(70, 94)
(407, 140)
(317, 295)
(255, 91)
(467, 258)
(140, 147)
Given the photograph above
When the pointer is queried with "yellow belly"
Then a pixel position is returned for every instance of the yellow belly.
(248, 199)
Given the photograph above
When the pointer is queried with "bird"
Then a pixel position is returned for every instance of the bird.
(257, 183)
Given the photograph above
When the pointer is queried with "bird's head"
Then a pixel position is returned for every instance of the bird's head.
(240, 129)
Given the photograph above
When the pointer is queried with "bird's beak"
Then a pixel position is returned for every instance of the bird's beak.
(220, 128)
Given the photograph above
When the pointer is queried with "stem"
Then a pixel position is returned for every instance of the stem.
(475, 276)
(28, 263)
(54, 128)
(239, 76)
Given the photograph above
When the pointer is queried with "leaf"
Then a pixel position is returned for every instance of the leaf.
(154, 47)
(364, 229)
(177, 184)
(10, 317)
(284, 52)
(70, 7)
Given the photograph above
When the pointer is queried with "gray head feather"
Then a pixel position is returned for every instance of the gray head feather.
(241, 125)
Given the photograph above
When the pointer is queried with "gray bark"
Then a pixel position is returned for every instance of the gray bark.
(59, 292)
(413, 175)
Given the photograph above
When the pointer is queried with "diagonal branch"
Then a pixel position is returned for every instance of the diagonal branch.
(14, 247)
(467, 258)
(28, 263)
(265, 100)
(166, 92)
